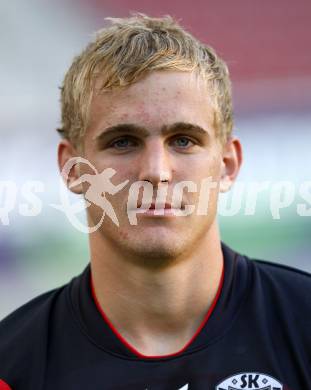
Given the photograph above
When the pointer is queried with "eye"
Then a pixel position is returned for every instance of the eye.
(183, 142)
(122, 143)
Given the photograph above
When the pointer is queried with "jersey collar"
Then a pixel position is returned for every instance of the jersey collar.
(223, 311)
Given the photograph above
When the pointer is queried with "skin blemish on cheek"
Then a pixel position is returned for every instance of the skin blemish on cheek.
(123, 235)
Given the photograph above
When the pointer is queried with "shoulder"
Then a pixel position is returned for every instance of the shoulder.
(24, 336)
(27, 314)
(272, 284)
(284, 290)
(282, 276)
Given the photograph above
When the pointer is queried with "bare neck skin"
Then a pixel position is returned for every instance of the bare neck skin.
(157, 311)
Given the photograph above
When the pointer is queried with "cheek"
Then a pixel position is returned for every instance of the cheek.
(100, 162)
(205, 167)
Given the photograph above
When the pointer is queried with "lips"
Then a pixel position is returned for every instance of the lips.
(161, 206)
(165, 206)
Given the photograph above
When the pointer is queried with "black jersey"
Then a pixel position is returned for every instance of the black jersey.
(256, 335)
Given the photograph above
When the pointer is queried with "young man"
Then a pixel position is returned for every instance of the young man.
(163, 304)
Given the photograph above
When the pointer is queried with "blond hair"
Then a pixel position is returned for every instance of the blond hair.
(126, 51)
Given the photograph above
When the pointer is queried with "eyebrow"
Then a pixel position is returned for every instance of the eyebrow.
(133, 129)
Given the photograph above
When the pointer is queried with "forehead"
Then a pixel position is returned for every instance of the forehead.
(159, 99)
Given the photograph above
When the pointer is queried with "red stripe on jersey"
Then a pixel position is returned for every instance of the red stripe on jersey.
(4, 386)
(134, 350)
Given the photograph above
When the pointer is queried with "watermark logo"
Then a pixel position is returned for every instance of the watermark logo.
(99, 185)
(242, 199)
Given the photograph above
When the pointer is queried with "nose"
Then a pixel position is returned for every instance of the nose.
(154, 163)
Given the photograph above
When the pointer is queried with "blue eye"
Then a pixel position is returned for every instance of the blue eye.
(122, 143)
(184, 141)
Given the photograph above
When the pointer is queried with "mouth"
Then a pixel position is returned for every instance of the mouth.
(159, 210)
(165, 206)
(161, 206)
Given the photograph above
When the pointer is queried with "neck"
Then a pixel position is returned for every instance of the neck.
(158, 310)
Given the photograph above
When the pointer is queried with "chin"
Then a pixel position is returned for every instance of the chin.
(163, 251)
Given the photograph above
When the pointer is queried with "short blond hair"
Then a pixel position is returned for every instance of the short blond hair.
(128, 50)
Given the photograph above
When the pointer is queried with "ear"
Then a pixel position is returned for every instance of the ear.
(231, 163)
(65, 152)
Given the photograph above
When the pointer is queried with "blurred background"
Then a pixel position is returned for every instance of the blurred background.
(267, 47)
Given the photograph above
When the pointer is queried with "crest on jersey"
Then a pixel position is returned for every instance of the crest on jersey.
(250, 381)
